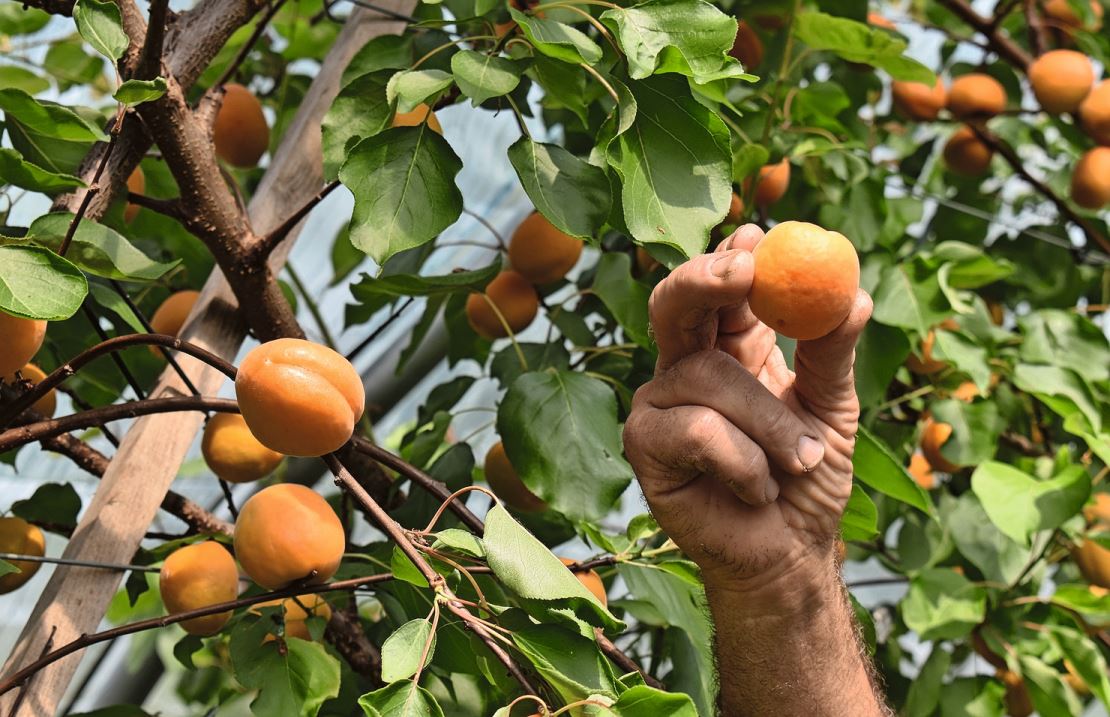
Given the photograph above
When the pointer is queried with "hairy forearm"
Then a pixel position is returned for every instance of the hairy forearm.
(792, 647)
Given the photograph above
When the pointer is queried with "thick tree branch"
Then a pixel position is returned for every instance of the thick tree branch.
(1001, 43)
(150, 57)
(1037, 32)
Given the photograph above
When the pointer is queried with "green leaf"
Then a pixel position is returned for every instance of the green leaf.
(943, 604)
(690, 37)
(972, 697)
(746, 159)
(875, 465)
(571, 193)
(569, 662)
(998, 557)
(98, 249)
(410, 88)
(360, 110)
(481, 76)
(1085, 657)
(857, 42)
(403, 180)
(135, 92)
(36, 283)
(1063, 391)
(7, 568)
(460, 541)
(402, 650)
(18, 77)
(1094, 608)
(55, 503)
(626, 298)
(377, 292)
(556, 40)
(506, 367)
(644, 701)
(925, 691)
(561, 434)
(1065, 339)
(48, 118)
(100, 25)
(293, 681)
(19, 19)
(1020, 505)
(1046, 690)
(381, 53)
(975, 430)
(909, 296)
(115, 303)
(18, 172)
(675, 167)
(400, 699)
(860, 518)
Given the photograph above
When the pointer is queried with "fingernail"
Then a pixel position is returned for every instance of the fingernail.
(771, 492)
(810, 453)
(724, 266)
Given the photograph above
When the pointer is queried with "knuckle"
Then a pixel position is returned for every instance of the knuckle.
(703, 434)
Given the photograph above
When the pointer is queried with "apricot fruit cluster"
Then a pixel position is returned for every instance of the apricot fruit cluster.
(233, 453)
(20, 340)
(198, 576)
(19, 536)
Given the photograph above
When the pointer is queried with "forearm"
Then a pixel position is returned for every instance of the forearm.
(791, 647)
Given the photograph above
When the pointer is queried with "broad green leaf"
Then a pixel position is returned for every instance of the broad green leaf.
(1065, 339)
(1061, 390)
(675, 167)
(556, 40)
(293, 680)
(506, 367)
(481, 76)
(875, 466)
(880, 352)
(644, 701)
(1000, 559)
(860, 518)
(400, 699)
(375, 293)
(970, 267)
(858, 42)
(360, 110)
(48, 118)
(561, 434)
(1020, 505)
(925, 691)
(460, 541)
(135, 92)
(19, 19)
(975, 430)
(36, 283)
(100, 25)
(411, 88)
(403, 180)
(115, 303)
(569, 662)
(1047, 691)
(972, 697)
(571, 193)
(19, 77)
(967, 356)
(1078, 597)
(746, 159)
(54, 503)
(70, 65)
(402, 650)
(690, 37)
(385, 52)
(52, 154)
(98, 249)
(943, 604)
(626, 298)
(18, 172)
(909, 296)
(1085, 657)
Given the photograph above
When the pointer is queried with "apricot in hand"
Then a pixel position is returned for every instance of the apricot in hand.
(45, 405)
(976, 95)
(233, 453)
(1090, 180)
(540, 252)
(507, 485)
(19, 536)
(20, 340)
(513, 296)
(197, 576)
(805, 280)
(299, 398)
(240, 132)
(1061, 79)
(919, 101)
(286, 533)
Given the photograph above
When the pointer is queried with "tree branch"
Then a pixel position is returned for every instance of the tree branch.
(258, 251)
(150, 57)
(166, 207)
(1001, 43)
(1037, 32)
(259, 29)
(622, 660)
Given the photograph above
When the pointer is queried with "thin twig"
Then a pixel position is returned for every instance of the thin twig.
(1006, 48)
(261, 248)
(259, 29)
(94, 321)
(166, 353)
(1037, 32)
(353, 353)
(94, 186)
(78, 563)
(150, 57)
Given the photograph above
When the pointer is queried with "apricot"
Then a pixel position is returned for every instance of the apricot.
(1090, 180)
(513, 296)
(1098, 513)
(919, 101)
(966, 392)
(976, 95)
(416, 118)
(805, 281)
(170, 315)
(20, 537)
(645, 262)
(136, 184)
(997, 312)
(1094, 113)
(507, 485)
(1063, 16)
(591, 580)
(1093, 562)
(966, 154)
(1061, 79)
(240, 132)
(747, 47)
(1018, 702)
(197, 576)
(296, 616)
(1074, 680)
(922, 472)
(934, 434)
(20, 340)
(926, 364)
(874, 18)
(541, 253)
(48, 403)
(735, 210)
(298, 397)
(288, 533)
(773, 181)
(233, 453)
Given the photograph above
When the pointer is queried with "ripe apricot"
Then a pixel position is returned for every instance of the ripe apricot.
(922, 472)
(1093, 562)
(170, 315)
(1094, 113)
(197, 576)
(1074, 680)
(506, 483)
(286, 533)
(591, 580)
(997, 312)
(645, 262)
(240, 132)
(1061, 79)
(233, 453)
(298, 397)
(296, 616)
(773, 181)
(513, 296)
(919, 101)
(1090, 180)
(416, 117)
(541, 253)
(874, 18)
(926, 364)
(1098, 512)
(747, 47)
(1061, 14)
(735, 210)
(20, 340)
(1018, 702)
(805, 281)
(934, 434)
(966, 392)
(136, 184)
(48, 403)
(976, 95)
(19, 536)
(966, 154)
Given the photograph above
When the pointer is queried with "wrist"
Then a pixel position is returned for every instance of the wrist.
(796, 586)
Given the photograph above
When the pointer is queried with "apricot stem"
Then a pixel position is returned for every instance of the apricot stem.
(508, 331)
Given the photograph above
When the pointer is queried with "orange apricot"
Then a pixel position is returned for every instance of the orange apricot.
(919, 101)
(513, 296)
(806, 279)
(922, 472)
(1098, 512)
(1061, 15)
(1018, 702)
(1090, 180)
(136, 184)
(296, 612)
(507, 485)
(32, 373)
(288, 533)
(874, 18)
(233, 453)
(416, 117)
(926, 364)
(773, 182)
(645, 262)
(1094, 113)
(298, 397)
(966, 154)
(976, 95)
(170, 315)
(1061, 79)
(591, 580)
(966, 392)
(747, 47)
(735, 210)
(541, 253)
(196, 576)
(1093, 562)
(934, 434)
(240, 132)
(19, 536)
(20, 340)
